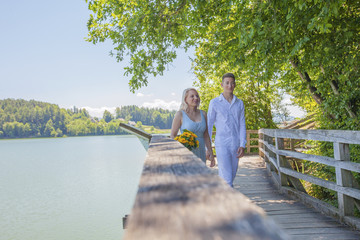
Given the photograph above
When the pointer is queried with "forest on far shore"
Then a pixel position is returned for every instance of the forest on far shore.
(21, 119)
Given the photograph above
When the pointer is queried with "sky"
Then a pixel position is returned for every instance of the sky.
(44, 56)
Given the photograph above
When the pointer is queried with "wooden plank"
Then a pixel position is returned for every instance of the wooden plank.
(313, 224)
(268, 207)
(303, 219)
(288, 212)
(143, 136)
(344, 179)
(303, 231)
(341, 136)
(326, 237)
(355, 193)
(135, 131)
(180, 198)
(351, 166)
(297, 217)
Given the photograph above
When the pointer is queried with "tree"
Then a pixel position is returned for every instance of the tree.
(49, 129)
(117, 113)
(107, 116)
(307, 47)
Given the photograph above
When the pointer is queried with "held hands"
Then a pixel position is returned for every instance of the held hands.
(210, 157)
(240, 152)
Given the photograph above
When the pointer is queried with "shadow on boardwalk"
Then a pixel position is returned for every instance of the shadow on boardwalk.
(296, 219)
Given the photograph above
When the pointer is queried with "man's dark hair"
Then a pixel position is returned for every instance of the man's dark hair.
(226, 75)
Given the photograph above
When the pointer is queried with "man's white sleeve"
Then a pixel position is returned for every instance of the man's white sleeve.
(242, 126)
(211, 117)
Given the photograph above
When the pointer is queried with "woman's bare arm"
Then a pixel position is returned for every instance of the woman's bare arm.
(208, 144)
(176, 124)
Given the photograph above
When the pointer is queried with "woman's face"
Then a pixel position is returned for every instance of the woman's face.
(192, 98)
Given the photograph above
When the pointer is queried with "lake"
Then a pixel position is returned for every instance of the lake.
(68, 188)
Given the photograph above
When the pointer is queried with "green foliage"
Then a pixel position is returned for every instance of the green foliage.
(326, 172)
(257, 98)
(107, 116)
(20, 118)
(157, 117)
(308, 48)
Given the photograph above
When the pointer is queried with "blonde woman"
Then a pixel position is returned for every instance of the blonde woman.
(195, 120)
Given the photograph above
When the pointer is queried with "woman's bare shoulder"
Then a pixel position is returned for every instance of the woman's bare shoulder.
(178, 115)
(204, 113)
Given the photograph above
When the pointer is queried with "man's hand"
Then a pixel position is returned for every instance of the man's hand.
(210, 157)
(240, 152)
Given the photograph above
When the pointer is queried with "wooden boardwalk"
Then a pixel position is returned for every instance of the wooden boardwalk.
(296, 219)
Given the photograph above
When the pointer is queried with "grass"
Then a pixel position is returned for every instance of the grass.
(153, 130)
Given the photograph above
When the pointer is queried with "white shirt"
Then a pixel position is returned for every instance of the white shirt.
(229, 120)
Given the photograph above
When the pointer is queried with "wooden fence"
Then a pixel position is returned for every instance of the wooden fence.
(272, 150)
(180, 198)
(252, 141)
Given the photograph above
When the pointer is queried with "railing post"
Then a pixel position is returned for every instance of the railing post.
(248, 141)
(261, 146)
(267, 139)
(292, 144)
(270, 140)
(344, 179)
(280, 160)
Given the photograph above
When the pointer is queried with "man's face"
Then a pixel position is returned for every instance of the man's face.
(228, 84)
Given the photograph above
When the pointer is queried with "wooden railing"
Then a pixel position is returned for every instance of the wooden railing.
(251, 141)
(275, 155)
(143, 136)
(180, 198)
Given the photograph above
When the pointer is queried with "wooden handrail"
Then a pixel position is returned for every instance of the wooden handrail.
(249, 140)
(275, 155)
(135, 131)
(143, 136)
(180, 198)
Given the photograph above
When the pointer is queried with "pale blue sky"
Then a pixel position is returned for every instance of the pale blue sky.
(44, 56)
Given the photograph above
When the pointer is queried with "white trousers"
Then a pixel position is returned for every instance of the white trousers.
(227, 163)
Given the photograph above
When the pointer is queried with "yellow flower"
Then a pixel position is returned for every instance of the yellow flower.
(188, 139)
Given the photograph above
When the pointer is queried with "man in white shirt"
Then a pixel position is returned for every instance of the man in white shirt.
(227, 112)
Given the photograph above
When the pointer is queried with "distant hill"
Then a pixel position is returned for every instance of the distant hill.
(21, 118)
(156, 117)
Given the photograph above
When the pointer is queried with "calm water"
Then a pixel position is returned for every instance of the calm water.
(68, 188)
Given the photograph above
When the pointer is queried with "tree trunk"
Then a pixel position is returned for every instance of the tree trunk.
(335, 87)
(306, 78)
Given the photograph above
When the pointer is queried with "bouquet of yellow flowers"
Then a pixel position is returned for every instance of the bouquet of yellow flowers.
(188, 139)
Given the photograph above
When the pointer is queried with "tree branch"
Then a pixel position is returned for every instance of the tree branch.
(306, 78)
(335, 87)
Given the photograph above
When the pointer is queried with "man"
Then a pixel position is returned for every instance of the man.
(227, 112)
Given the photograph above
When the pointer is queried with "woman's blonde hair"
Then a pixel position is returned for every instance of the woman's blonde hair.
(184, 106)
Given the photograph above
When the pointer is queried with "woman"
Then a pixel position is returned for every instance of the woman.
(191, 118)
